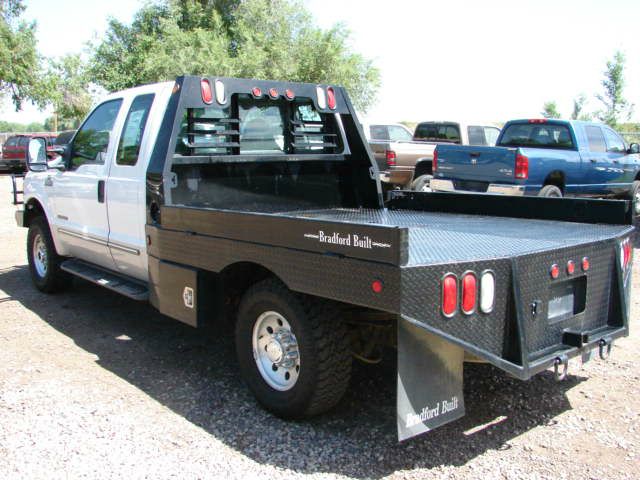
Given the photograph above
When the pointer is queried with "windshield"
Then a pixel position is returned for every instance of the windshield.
(537, 135)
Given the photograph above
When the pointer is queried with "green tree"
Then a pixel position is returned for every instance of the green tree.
(274, 39)
(550, 110)
(616, 107)
(68, 80)
(20, 71)
(578, 108)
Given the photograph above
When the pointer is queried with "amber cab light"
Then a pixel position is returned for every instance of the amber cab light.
(469, 293)
(449, 295)
(206, 92)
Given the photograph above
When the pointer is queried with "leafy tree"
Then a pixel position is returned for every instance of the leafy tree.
(20, 76)
(71, 98)
(550, 110)
(274, 39)
(616, 107)
(578, 108)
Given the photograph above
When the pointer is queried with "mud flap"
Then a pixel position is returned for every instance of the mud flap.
(429, 390)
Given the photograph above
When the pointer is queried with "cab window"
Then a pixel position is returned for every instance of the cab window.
(595, 139)
(133, 130)
(614, 142)
(92, 140)
(399, 134)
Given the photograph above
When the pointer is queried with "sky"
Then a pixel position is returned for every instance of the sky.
(450, 60)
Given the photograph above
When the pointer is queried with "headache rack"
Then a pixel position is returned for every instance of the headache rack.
(18, 195)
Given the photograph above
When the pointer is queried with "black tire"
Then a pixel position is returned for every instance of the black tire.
(634, 195)
(550, 191)
(322, 340)
(420, 183)
(53, 279)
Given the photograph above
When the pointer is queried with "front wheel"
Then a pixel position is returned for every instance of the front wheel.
(422, 183)
(292, 350)
(44, 261)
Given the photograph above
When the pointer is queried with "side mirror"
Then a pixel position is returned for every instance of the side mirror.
(36, 155)
(634, 148)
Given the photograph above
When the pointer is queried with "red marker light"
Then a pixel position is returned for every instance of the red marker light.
(555, 271)
(331, 98)
(256, 92)
(585, 264)
(273, 93)
(571, 267)
(205, 90)
(469, 293)
(449, 295)
(376, 286)
(434, 162)
(538, 120)
(289, 94)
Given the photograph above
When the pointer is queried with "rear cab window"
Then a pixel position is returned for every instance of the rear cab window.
(133, 130)
(537, 135)
(438, 132)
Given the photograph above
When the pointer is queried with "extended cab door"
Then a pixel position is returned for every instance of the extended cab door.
(599, 170)
(78, 194)
(624, 166)
(126, 184)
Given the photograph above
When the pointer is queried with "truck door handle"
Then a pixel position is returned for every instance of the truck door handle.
(616, 161)
(474, 154)
(100, 191)
(593, 160)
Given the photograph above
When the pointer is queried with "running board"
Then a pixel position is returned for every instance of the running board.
(101, 276)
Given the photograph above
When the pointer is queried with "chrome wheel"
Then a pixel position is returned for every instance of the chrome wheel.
(636, 203)
(275, 351)
(40, 256)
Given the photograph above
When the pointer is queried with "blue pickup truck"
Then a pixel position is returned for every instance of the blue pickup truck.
(549, 158)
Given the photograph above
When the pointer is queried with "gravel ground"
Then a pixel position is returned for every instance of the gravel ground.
(95, 385)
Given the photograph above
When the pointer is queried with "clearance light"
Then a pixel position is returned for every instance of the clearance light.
(220, 94)
(487, 291)
(449, 295)
(322, 98)
(256, 92)
(434, 162)
(538, 120)
(469, 293)
(555, 271)
(205, 91)
(273, 93)
(289, 94)
(376, 286)
(586, 265)
(625, 253)
(331, 98)
(571, 267)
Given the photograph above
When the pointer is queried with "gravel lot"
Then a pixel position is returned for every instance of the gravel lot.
(95, 385)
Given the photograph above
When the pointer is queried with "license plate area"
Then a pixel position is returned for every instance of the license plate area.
(566, 299)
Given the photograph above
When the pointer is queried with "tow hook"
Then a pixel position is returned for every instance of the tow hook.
(558, 373)
(605, 348)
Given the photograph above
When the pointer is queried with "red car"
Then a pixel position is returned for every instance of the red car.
(14, 149)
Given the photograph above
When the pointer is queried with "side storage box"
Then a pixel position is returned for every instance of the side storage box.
(173, 290)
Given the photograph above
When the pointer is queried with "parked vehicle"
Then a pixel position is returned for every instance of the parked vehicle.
(14, 149)
(549, 158)
(408, 163)
(222, 199)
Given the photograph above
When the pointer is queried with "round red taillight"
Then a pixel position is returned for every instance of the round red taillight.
(205, 91)
(585, 264)
(571, 267)
(289, 94)
(273, 93)
(256, 92)
(449, 295)
(555, 271)
(331, 98)
(376, 286)
(469, 293)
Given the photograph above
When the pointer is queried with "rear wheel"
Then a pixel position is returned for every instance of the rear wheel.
(421, 184)
(550, 191)
(292, 350)
(44, 261)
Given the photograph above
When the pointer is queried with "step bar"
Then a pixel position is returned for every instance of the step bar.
(126, 286)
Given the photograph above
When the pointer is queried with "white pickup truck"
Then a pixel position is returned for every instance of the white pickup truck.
(257, 202)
